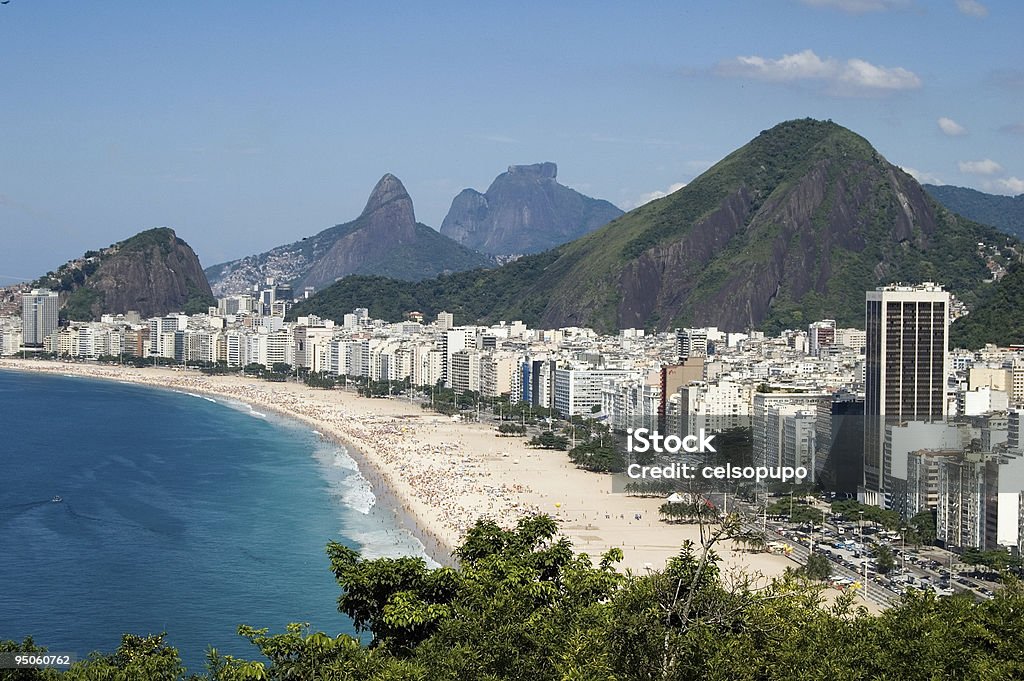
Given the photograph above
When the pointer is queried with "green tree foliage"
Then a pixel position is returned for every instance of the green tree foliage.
(884, 560)
(80, 305)
(849, 509)
(797, 510)
(993, 559)
(817, 567)
(26, 646)
(198, 302)
(1003, 212)
(320, 379)
(687, 512)
(138, 657)
(599, 456)
(998, 319)
(549, 440)
(522, 606)
(921, 528)
(649, 488)
(472, 296)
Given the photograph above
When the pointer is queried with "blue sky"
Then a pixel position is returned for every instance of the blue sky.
(246, 125)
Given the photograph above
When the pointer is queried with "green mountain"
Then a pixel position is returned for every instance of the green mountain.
(384, 240)
(998, 319)
(1005, 213)
(153, 273)
(792, 227)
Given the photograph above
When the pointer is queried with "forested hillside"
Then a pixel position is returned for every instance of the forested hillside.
(524, 607)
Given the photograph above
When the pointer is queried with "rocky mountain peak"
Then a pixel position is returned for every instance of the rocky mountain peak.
(541, 171)
(153, 273)
(384, 240)
(389, 189)
(525, 210)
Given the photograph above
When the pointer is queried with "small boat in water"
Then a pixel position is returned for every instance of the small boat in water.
(56, 499)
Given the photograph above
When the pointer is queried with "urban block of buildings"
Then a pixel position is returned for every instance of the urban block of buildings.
(887, 413)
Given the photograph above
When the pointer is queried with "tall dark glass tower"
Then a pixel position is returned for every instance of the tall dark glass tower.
(904, 373)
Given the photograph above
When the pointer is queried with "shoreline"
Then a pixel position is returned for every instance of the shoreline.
(438, 477)
(435, 547)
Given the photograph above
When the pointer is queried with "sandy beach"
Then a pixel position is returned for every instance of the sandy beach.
(443, 475)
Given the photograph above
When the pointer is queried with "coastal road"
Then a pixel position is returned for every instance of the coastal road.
(872, 590)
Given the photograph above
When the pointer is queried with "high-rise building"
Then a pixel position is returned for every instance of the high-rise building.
(839, 440)
(39, 315)
(578, 391)
(907, 329)
(445, 320)
(453, 340)
(821, 334)
(674, 377)
(762, 417)
(692, 343)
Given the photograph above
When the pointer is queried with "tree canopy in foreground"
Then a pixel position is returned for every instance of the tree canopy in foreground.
(521, 605)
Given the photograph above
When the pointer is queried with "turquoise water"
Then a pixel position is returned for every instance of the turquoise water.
(179, 514)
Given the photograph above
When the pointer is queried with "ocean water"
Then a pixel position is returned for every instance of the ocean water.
(179, 513)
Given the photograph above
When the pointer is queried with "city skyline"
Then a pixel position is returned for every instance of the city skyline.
(247, 129)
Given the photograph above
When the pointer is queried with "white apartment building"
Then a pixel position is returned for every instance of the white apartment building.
(464, 370)
(497, 373)
(427, 364)
(452, 341)
(762, 404)
(578, 391)
(10, 337)
(631, 402)
(714, 405)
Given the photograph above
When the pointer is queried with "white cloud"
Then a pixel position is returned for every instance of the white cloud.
(797, 66)
(860, 73)
(850, 77)
(972, 8)
(922, 176)
(984, 167)
(1013, 185)
(656, 194)
(859, 6)
(951, 127)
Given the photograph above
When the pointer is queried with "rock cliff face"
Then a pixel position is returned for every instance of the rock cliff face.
(525, 210)
(153, 272)
(385, 239)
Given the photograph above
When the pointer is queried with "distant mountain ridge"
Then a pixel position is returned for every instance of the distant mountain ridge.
(384, 240)
(1005, 213)
(153, 273)
(525, 210)
(792, 227)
